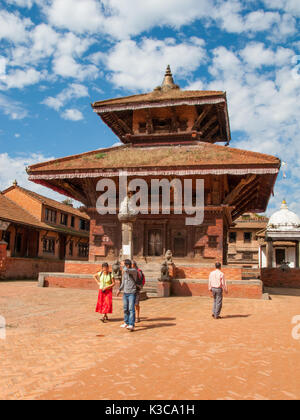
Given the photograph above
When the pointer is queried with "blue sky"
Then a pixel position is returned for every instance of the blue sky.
(58, 56)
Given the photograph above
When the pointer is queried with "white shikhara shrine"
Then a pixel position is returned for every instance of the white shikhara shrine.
(281, 240)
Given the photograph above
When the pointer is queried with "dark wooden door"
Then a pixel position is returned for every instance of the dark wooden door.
(280, 256)
(155, 248)
(179, 247)
(62, 247)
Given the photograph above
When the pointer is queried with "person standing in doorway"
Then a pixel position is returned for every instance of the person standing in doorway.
(217, 284)
(129, 289)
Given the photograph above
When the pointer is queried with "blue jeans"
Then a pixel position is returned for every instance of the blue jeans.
(129, 308)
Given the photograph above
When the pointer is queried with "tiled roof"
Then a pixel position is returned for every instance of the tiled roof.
(13, 213)
(202, 155)
(51, 203)
(158, 96)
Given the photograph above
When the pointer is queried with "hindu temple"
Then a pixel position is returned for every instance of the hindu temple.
(170, 134)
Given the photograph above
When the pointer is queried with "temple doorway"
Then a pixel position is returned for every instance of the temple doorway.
(155, 246)
(179, 247)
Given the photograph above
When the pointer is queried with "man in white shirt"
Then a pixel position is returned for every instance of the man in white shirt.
(216, 285)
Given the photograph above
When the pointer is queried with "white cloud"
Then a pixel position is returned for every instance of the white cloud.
(72, 115)
(21, 78)
(257, 55)
(79, 16)
(73, 91)
(290, 6)
(141, 65)
(13, 28)
(264, 107)
(69, 49)
(3, 63)
(11, 108)
(17, 135)
(14, 168)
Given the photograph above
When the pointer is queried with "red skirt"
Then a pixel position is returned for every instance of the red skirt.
(104, 304)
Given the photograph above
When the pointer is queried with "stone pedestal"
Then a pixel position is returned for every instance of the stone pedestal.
(163, 289)
(127, 241)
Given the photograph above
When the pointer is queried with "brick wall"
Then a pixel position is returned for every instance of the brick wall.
(236, 289)
(274, 277)
(82, 267)
(70, 282)
(3, 254)
(29, 268)
(231, 273)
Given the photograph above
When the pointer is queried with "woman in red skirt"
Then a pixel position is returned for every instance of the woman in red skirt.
(106, 283)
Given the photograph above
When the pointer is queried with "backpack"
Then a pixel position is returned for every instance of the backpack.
(141, 277)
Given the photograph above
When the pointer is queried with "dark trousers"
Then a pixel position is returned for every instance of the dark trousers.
(218, 301)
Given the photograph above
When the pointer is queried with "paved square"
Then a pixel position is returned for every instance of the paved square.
(57, 348)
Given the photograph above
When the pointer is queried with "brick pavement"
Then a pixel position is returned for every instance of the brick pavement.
(57, 348)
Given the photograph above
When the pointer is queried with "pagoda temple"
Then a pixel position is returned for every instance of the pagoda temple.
(170, 134)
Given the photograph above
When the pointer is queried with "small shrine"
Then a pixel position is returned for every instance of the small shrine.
(279, 242)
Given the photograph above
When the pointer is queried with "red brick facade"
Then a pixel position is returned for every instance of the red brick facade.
(204, 243)
(275, 277)
(29, 268)
(236, 289)
(201, 273)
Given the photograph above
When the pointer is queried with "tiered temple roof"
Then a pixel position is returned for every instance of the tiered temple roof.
(168, 132)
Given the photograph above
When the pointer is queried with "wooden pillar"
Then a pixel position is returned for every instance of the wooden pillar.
(269, 254)
(297, 265)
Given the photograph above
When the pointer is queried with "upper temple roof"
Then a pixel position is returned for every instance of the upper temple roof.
(167, 114)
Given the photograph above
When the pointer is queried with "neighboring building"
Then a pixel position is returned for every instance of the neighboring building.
(279, 242)
(243, 245)
(167, 134)
(40, 227)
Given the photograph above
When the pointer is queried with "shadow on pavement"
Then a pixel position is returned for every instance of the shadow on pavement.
(234, 316)
(157, 319)
(139, 328)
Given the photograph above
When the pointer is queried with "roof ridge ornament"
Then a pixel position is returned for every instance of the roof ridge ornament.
(168, 82)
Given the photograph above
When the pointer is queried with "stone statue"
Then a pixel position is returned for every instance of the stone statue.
(128, 212)
(165, 276)
(169, 257)
(285, 266)
(116, 270)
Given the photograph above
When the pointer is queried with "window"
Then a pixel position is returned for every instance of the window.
(72, 221)
(71, 247)
(247, 256)
(49, 245)
(18, 243)
(50, 215)
(84, 224)
(6, 238)
(232, 237)
(212, 241)
(64, 219)
(83, 250)
(247, 237)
